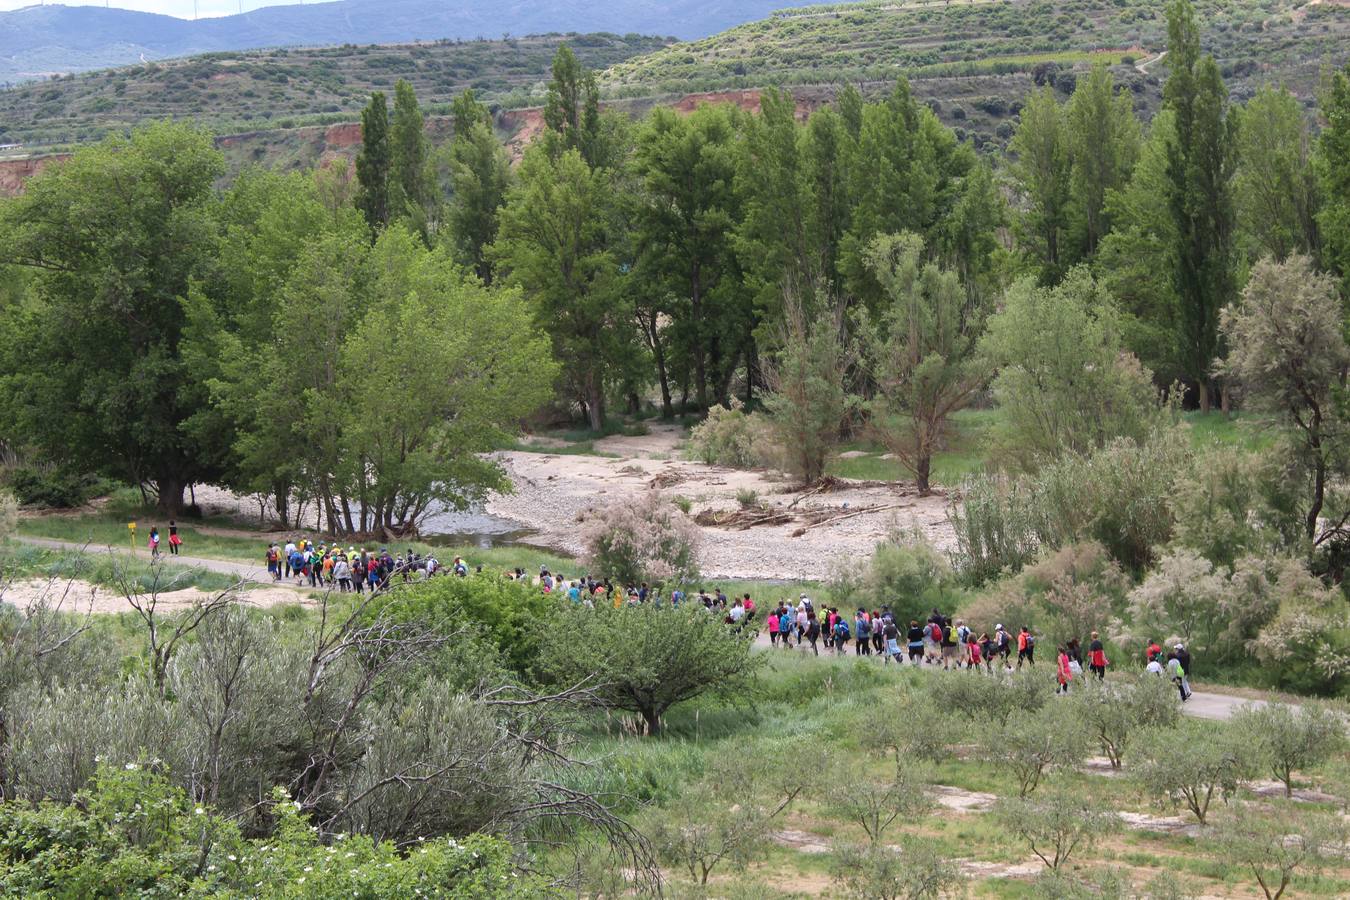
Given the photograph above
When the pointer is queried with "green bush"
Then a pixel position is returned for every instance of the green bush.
(133, 834)
(51, 487)
(905, 572)
(507, 614)
(730, 437)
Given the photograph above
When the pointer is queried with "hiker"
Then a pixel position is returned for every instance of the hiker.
(1026, 648)
(973, 652)
(1154, 667)
(1178, 675)
(891, 635)
(1003, 645)
(841, 635)
(273, 562)
(286, 557)
(1064, 674)
(862, 629)
(785, 621)
(1097, 657)
(879, 620)
(987, 651)
(1152, 652)
(154, 543)
(174, 540)
(773, 627)
(1184, 663)
(915, 639)
(947, 639)
(812, 630)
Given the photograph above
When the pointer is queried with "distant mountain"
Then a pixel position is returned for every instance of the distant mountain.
(42, 40)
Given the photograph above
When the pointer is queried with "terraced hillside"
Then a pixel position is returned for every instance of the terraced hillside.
(283, 88)
(876, 40)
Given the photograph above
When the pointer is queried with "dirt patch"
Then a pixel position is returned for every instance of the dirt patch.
(1100, 765)
(1302, 795)
(961, 800)
(975, 868)
(1160, 824)
(801, 841)
(82, 597)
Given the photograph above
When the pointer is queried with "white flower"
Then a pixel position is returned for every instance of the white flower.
(309, 868)
(232, 858)
(301, 879)
(131, 767)
(200, 811)
(210, 868)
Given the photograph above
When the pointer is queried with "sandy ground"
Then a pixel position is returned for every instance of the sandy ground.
(552, 490)
(82, 597)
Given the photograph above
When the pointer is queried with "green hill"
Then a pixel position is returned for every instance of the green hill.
(282, 88)
(975, 60)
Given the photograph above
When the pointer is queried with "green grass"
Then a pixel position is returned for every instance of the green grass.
(22, 562)
(1242, 430)
(964, 455)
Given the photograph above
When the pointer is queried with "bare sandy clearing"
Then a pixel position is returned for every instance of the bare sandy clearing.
(552, 490)
(82, 597)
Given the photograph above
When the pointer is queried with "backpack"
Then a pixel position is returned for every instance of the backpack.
(952, 635)
(841, 630)
(1031, 639)
(864, 628)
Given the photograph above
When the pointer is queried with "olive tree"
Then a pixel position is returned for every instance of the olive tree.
(1057, 825)
(1029, 747)
(913, 870)
(646, 658)
(1115, 712)
(894, 792)
(1192, 763)
(1274, 846)
(1288, 739)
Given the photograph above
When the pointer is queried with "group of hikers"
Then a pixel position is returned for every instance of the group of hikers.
(350, 570)
(940, 640)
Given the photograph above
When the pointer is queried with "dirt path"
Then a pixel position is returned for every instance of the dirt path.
(1216, 707)
(246, 571)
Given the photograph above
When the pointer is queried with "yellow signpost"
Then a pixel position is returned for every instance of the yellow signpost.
(131, 530)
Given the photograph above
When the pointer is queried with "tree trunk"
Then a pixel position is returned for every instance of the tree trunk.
(653, 720)
(595, 412)
(1202, 386)
(700, 362)
(922, 467)
(169, 489)
(659, 352)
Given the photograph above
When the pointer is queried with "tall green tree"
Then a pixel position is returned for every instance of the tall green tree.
(412, 185)
(1135, 259)
(572, 110)
(115, 238)
(1275, 189)
(1104, 140)
(555, 243)
(1200, 165)
(374, 162)
(922, 354)
(1043, 168)
(481, 174)
(1333, 170)
(687, 166)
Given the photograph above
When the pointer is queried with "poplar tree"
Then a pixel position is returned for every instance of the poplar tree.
(480, 173)
(1200, 166)
(1043, 169)
(373, 163)
(411, 186)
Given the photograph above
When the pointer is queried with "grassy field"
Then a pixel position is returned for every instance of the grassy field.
(809, 720)
(286, 87)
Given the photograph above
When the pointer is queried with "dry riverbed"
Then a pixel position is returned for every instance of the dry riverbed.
(553, 490)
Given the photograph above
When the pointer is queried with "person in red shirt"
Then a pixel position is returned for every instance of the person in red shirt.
(1064, 673)
(1097, 657)
(1152, 651)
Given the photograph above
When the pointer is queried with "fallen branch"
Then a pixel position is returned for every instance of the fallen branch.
(857, 512)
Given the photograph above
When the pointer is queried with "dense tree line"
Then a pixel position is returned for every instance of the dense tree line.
(311, 336)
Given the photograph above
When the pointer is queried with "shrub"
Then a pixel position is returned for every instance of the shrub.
(747, 498)
(133, 833)
(1306, 646)
(51, 487)
(913, 870)
(649, 540)
(1030, 746)
(1274, 846)
(1119, 496)
(905, 572)
(731, 437)
(1224, 509)
(504, 612)
(646, 658)
(9, 515)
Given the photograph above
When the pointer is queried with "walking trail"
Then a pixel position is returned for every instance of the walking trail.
(1219, 707)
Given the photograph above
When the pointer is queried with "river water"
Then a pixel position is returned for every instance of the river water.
(473, 527)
